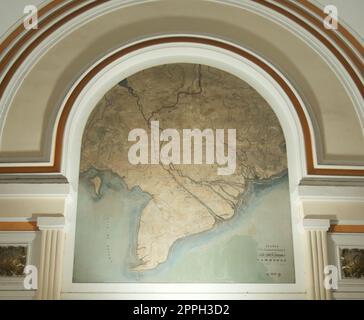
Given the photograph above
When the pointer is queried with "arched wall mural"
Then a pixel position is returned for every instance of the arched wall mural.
(95, 70)
(112, 72)
(183, 178)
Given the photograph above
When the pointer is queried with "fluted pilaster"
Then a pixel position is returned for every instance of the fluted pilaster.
(51, 255)
(316, 237)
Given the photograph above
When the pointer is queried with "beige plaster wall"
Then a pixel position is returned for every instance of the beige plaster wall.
(334, 210)
(30, 207)
(46, 85)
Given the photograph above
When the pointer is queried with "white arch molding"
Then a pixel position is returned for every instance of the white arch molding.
(250, 6)
(196, 53)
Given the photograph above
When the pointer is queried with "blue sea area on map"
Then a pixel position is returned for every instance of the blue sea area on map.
(107, 234)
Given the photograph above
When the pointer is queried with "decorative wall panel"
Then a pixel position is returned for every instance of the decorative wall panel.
(352, 263)
(16, 252)
(12, 260)
(346, 252)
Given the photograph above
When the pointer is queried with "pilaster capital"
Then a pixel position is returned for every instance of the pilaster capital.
(316, 224)
(51, 223)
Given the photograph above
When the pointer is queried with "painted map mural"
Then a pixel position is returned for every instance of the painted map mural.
(183, 222)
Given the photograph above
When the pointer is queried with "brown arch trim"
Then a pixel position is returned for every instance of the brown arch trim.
(42, 25)
(308, 143)
(318, 23)
(101, 65)
(341, 29)
(16, 32)
(288, 4)
(14, 67)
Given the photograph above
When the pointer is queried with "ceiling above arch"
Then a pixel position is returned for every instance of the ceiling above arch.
(40, 67)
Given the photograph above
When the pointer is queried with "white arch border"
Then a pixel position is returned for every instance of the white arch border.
(250, 6)
(179, 52)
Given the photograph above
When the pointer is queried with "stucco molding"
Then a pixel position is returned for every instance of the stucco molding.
(111, 5)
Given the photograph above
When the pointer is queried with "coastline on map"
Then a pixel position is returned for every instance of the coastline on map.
(106, 240)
